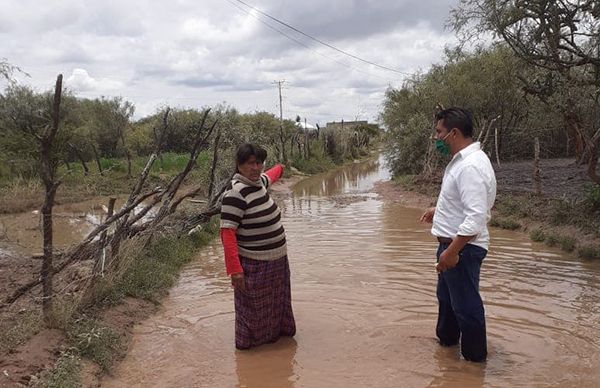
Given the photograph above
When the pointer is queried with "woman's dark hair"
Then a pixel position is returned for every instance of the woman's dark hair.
(245, 151)
(457, 118)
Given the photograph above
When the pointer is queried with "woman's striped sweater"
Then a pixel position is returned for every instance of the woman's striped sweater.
(248, 208)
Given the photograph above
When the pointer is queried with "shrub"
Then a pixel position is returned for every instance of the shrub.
(14, 333)
(537, 235)
(65, 374)
(150, 273)
(589, 252)
(150, 276)
(314, 165)
(113, 164)
(567, 243)
(592, 197)
(561, 213)
(406, 145)
(506, 206)
(96, 341)
(505, 223)
(406, 181)
(552, 240)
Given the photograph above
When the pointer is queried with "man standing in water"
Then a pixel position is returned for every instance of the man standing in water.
(460, 224)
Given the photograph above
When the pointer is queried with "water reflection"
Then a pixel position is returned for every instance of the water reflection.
(21, 233)
(270, 366)
(355, 178)
(453, 372)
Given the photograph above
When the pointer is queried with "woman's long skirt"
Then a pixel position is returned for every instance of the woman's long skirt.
(263, 311)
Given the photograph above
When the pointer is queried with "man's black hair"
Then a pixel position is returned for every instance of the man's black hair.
(245, 151)
(456, 118)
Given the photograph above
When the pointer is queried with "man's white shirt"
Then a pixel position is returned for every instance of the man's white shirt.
(466, 198)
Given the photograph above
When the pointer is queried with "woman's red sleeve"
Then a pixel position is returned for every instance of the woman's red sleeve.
(274, 173)
(232, 258)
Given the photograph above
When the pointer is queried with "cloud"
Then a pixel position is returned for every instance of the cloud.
(201, 29)
(203, 81)
(104, 20)
(81, 81)
(343, 19)
(190, 53)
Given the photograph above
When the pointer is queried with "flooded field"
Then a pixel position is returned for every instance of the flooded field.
(22, 233)
(363, 289)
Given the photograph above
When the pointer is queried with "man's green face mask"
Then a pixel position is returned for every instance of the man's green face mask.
(441, 146)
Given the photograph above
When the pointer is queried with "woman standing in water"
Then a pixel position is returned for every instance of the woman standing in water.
(256, 253)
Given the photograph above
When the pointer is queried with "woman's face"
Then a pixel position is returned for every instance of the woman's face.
(251, 169)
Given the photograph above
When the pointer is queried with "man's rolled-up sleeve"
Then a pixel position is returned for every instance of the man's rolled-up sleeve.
(473, 189)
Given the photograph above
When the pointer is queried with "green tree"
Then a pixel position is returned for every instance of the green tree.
(24, 115)
(561, 39)
(485, 81)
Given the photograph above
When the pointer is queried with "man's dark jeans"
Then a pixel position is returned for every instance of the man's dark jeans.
(460, 305)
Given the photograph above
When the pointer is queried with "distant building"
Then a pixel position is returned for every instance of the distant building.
(309, 127)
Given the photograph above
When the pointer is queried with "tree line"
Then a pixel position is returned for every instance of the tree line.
(538, 78)
(93, 130)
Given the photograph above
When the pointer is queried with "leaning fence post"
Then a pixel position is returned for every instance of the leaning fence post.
(109, 213)
(496, 145)
(537, 178)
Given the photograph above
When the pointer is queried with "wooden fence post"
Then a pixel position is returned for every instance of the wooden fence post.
(109, 213)
(537, 177)
(48, 174)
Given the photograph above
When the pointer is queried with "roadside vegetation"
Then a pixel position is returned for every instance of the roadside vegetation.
(522, 89)
(100, 150)
(149, 270)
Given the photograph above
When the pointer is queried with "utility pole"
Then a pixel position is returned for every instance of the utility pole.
(281, 137)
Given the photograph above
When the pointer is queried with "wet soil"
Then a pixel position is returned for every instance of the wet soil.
(392, 192)
(40, 352)
(561, 178)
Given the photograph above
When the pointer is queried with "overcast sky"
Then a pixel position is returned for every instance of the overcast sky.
(204, 52)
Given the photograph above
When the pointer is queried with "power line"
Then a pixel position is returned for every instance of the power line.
(304, 44)
(322, 42)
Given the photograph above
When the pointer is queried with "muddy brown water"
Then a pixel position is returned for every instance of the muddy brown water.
(363, 286)
(21, 233)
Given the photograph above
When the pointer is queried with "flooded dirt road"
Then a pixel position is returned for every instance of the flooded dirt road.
(363, 289)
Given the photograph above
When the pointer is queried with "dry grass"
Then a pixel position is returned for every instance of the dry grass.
(65, 373)
(20, 195)
(25, 194)
(16, 330)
